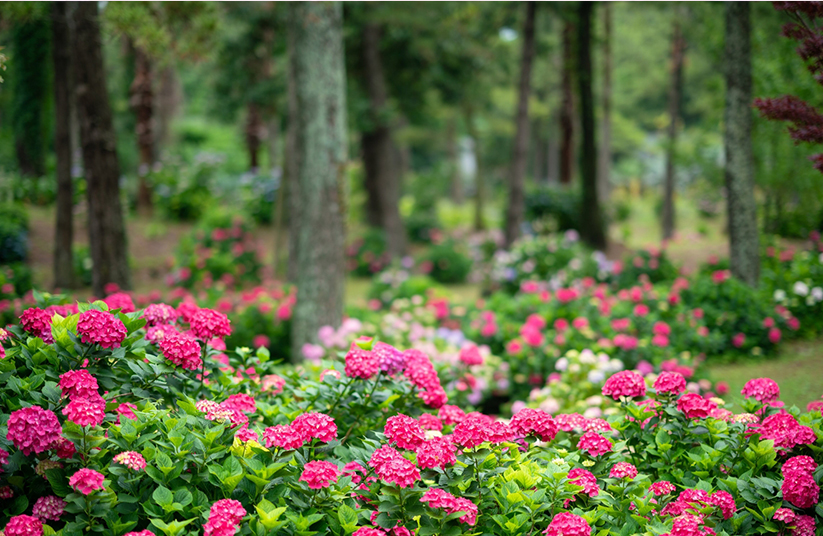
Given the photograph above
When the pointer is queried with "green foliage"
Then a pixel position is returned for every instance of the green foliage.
(14, 238)
(448, 262)
(367, 255)
(553, 208)
(396, 283)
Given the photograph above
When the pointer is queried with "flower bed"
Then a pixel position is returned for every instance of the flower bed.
(141, 422)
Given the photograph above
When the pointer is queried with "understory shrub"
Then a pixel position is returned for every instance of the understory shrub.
(14, 234)
(367, 255)
(447, 263)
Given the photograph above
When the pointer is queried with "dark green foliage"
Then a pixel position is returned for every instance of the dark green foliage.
(368, 255)
(28, 74)
(449, 263)
(555, 207)
(14, 236)
(654, 265)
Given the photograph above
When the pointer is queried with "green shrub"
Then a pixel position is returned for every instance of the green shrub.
(14, 236)
(367, 255)
(558, 205)
(449, 263)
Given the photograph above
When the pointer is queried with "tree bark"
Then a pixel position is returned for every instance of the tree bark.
(540, 150)
(742, 210)
(254, 135)
(64, 225)
(678, 51)
(592, 230)
(514, 214)
(107, 233)
(142, 102)
(479, 179)
(605, 156)
(29, 80)
(320, 82)
(169, 102)
(567, 107)
(553, 151)
(379, 161)
(291, 161)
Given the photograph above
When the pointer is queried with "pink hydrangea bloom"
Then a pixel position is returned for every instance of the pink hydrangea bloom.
(120, 300)
(404, 431)
(316, 425)
(48, 508)
(389, 359)
(471, 431)
(535, 422)
(126, 409)
(78, 384)
(366, 531)
(140, 533)
(594, 444)
(625, 383)
(786, 515)
(64, 448)
(101, 327)
(764, 390)
(398, 471)
(799, 463)
(33, 429)
(284, 437)
(206, 324)
(89, 411)
(319, 474)
(24, 525)
(438, 498)
(786, 432)
(568, 524)
(159, 313)
(670, 383)
(383, 455)
(623, 470)
(37, 322)
(428, 421)
(133, 460)
(450, 414)
(584, 478)
(470, 355)
(361, 363)
(663, 487)
(800, 489)
(240, 402)
(86, 481)
(694, 406)
(224, 517)
(436, 452)
(725, 502)
(804, 526)
(182, 350)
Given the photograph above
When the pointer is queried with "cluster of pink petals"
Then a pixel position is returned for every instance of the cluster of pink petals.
(240, 402)
(534, 422)
(224, 517)
(436, 452)
(86, 481)
(438, 498)
(450, 414)
(764, 390)
(584, 478)
(623, 470)
(786, 432)
(725, 502)
(470, 355)
(126, 409)
(670, 383)
(33, 429)
(284, 437)
(159, 313)
(786, 515)
(472, 431)
(206, 324)
(48, 508)
(799, 463)
(421, 373)
(594, 444)
(120, 300)
(24, 525)
(140, 533)
(133, 460)
(316, 426)
(319, 474)
(78, 384)
(404, 431)
(694, 406)
(625, 383)
(181, 349)
(101, 327)
(37, 322)
(399, 471)
(428, 421)
(800, 489)
(663, 487)
(389, 359)
(87, 411)
(568, 524)
(361, 363)
(804, 526)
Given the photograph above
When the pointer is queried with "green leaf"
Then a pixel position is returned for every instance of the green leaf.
(346, 515)
(163, 496)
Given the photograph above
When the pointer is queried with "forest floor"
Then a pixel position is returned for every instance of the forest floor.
(152, 244)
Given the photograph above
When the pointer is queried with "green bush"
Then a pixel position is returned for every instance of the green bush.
(14, 236)
(367, 255)
(397, 283)
(182, 192)
(558, 207)
(449, 263)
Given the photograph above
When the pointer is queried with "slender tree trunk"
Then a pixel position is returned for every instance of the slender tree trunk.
(567, 107)
(379, 159)
(479, 179)
(321, 149)
(456, 182)
(28, 77)
(678, 51)
(107, 233)
(605, 156)
(553, 151)
(169, 102)
(64, 228)
(540, 150)
(592, 229)
(514, 215)
(254, 135)
(291, 160)
(142, 102)
(742, 209)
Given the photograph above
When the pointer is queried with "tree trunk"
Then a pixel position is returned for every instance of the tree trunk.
(254, 135)
(479, 179)
(320, 81)
(514, 214)
(553, 151)
(540, 151)
(456, 181)
(273, 142)
(169, 102)
(107, 233)
(567, 107)
(591, 221)
(379, 161)
(678, 50)
(64, 228)
(605, 156)
(28, 76)
(292, 164)
(742, 209)
(142, 102)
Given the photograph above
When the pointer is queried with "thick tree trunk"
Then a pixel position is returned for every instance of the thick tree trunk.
(321, 149)
(567, 107)
(64, 228)
(678, 51)
(742, 209)
(592, 230)
(141, 99)
(254, 135)
(291, 161)
(107, 233)
(605, 156)
(514, 214)
(29, 81)
(479, 179)
(379, 160)
(455, 180)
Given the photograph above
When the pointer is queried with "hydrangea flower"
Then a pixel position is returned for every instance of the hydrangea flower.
(764, 390)
(663, 487)
(585, 479)
(436, 452)
(361, 363)
(594, 444)
(133, 460)
(33, 429)
(568, 524)
(623, 470)
(284, 437)
(101, 327)
(625, 383)
(182, 350)
(319, 474)
(207, 324)
(670, 383)
(159, 313)
(725, 502)
(24, 525)
(404, 431)
(316, 425)
(48, 508)
(89, 411)
(224, 517)
(398, 471)
(694, 406)
(535, 422)
(86, 481)
(78, 384)
(37, 322)
(800, 489)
